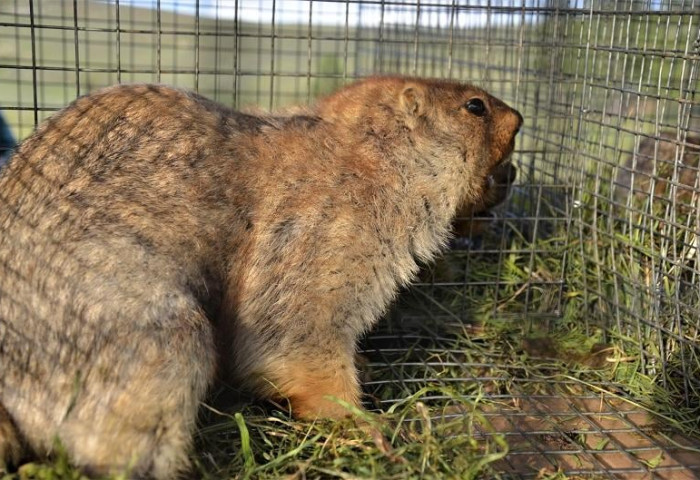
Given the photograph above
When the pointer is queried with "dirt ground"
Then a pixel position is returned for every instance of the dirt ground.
(585, 436)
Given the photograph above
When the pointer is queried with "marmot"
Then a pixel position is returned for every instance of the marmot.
(649, 171)
(473, 218)
(153, 241)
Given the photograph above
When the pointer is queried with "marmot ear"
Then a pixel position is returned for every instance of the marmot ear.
(412, 100)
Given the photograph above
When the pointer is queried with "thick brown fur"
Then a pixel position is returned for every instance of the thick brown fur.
(473, 217)
(649, 172)
(154, 241)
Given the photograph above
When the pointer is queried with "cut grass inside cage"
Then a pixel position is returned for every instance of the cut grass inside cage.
(272, 445)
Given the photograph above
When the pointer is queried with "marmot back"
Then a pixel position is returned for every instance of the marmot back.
(153, 242)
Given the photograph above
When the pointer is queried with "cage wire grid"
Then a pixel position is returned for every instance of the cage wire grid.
(569, 317)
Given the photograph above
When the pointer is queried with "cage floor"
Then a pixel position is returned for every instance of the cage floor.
(590, 434)
(558, 419)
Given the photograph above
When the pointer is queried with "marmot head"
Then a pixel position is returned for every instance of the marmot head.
(496, 190)
(453, 127)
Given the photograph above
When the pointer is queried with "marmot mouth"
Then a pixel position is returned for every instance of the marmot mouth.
(506, 158)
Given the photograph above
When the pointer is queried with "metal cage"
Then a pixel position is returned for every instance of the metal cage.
(571, 318)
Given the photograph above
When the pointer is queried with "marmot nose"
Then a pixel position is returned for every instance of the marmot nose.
(520, 121)
(510, 122)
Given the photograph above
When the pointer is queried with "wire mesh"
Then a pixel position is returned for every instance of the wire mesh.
(570, 315)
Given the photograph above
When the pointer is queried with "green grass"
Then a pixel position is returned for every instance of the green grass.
(274, 446)
(267, 444)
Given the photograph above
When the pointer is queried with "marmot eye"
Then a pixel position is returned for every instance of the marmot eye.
(476, 106)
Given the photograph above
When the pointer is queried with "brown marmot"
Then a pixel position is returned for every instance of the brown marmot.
(649, 172)
(474, 217)
(153, 241)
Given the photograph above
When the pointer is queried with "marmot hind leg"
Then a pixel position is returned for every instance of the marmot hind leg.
(141, 420)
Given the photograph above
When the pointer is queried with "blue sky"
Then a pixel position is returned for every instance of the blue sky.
(338, 12)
